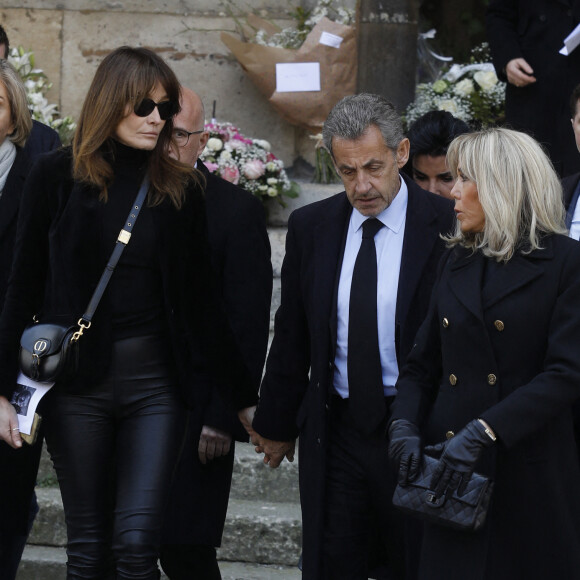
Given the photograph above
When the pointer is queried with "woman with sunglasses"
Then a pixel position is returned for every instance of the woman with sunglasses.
(113, 431)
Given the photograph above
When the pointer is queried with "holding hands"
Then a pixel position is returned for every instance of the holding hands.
(274, 451)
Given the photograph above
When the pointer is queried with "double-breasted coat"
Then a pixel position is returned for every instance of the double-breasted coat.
(503, 346)
(535, 30)
(295, 391)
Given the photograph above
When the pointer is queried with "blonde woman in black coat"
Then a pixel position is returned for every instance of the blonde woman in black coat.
(495, 368)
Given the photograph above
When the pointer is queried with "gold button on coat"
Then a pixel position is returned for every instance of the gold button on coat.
(453, 380)
(449, 434)
(491, 379)
(445, 323)
(499, 325)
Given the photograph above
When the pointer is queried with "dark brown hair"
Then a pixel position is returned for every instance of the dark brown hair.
(124, 77)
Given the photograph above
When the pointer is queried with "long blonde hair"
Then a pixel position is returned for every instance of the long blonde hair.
(518, 189)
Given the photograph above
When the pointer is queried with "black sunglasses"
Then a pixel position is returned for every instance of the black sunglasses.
(166, 109)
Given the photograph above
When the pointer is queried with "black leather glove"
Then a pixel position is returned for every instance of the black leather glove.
(458, 459)
(405, 449)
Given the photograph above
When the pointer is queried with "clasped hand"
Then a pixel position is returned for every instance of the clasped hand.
(274, 451)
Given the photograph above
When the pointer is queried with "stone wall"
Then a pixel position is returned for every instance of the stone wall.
(70, 37)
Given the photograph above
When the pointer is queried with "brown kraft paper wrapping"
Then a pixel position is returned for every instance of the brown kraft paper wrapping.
(307, 109)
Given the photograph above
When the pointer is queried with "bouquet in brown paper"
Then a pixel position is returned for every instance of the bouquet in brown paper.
(301, 84)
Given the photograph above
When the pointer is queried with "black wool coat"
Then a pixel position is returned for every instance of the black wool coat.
(240, 252)
(297, 384)
(18, 467)
(535, 30)
(57, 267)
(507, 353)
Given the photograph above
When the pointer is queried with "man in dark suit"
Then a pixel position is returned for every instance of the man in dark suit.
(525, 37)
(241, 256)
(337, 348)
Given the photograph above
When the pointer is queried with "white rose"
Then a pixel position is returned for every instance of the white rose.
(271, 166)
(485, 79)
(448, 105)
(464, 88)
(272, 192)
(263, 188)
(215, 144)
(225, 155)
(263, 144)
(271, 181)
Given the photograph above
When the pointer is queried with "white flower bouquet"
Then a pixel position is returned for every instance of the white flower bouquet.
(470, 92)
(37, 84)
(246, 162)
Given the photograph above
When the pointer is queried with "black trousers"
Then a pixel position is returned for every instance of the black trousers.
(189, 562)
(364, 535)
(114, 449)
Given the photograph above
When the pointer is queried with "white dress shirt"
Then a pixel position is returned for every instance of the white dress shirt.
(389, 246)
(575, 225)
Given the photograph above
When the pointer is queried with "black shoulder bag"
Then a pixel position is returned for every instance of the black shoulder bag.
(49, 350)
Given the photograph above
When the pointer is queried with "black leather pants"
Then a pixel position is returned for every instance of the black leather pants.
(114, 449)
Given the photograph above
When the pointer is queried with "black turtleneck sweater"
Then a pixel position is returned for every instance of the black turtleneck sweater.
(135, 293)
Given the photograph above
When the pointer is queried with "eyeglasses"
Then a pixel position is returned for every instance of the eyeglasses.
(166, 109)
(181, 136)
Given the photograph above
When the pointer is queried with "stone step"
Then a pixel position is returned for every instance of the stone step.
(43, 563)
(252, 479)
(255, 531)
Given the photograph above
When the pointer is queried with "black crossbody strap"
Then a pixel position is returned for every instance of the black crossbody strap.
(122, 241)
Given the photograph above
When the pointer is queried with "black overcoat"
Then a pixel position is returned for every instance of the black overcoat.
(57, 264)
(18, 467)
(508, 354)
(240, 252)
(535, 30)
(295, 391)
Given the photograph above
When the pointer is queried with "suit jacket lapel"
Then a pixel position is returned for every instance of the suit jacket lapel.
(10, 199)
(329, 242)
(417, 246)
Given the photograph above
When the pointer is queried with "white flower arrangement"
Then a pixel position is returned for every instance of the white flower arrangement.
(471, 92)
(246, 162)
(294, 36)
(37, 84)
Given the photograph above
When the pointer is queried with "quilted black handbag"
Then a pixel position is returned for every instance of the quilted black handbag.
(49, 350)
(466, 512)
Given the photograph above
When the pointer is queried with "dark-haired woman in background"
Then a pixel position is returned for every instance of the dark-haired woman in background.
(113, 430)
(430, 136)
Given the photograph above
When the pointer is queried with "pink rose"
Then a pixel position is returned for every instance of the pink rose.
(253, 169)
(211, 167)
(230, 173)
